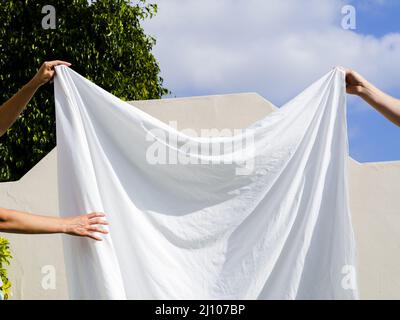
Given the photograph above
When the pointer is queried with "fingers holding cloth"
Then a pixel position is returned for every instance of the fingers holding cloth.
(46, 72)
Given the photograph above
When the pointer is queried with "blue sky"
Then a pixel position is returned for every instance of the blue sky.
(377, 17)
(278, 47)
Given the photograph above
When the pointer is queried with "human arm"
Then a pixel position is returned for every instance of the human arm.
(387, 105)
(12, 108)
(86, 225)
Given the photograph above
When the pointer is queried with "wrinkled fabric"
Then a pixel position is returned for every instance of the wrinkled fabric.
(278, 229)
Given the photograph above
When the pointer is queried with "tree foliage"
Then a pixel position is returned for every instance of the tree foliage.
(104, 42)
(5, 257)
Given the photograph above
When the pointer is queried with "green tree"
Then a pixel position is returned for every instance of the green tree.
(5, 257)
(104, 42)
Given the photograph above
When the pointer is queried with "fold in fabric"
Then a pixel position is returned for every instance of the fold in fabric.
(270, 221)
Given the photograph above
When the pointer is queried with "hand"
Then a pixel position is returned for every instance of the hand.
(355, 83)
(46, 72)
(85, 225)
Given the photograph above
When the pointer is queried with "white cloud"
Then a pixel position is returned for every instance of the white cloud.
(273, 47)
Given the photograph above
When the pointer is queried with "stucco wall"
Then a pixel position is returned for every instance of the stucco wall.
(374, 200)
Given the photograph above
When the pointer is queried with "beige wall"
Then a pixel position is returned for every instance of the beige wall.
(375, 204)
(374, 200)
(35, 192)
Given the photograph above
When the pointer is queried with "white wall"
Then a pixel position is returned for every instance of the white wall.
(374, 200)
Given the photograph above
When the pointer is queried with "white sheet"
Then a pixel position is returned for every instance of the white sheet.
(274, 224)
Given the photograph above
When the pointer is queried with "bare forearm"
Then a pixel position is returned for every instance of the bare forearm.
(86, 225)
(382, 102)
(22, 222)
(11, 109)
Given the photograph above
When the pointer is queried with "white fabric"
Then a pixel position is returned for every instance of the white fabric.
(207, 231)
